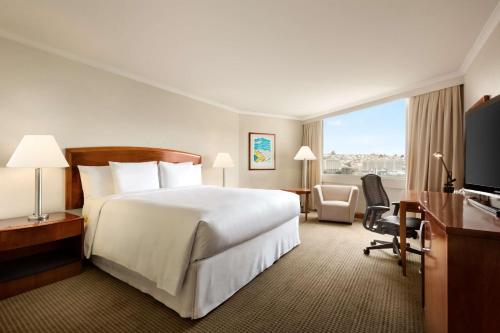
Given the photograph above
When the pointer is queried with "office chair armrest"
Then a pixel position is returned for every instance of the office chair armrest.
(372, 213)
(396, 208)
(377, 208)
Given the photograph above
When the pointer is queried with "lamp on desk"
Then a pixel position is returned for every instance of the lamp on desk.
(305, 154)
(448, 186)
(223, 161)
(38, 151)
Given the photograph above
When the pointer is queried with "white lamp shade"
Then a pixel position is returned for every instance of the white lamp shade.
(304, 153)
(223, 160)
(37, 151)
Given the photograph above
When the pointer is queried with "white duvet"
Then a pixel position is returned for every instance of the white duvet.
(158, 233)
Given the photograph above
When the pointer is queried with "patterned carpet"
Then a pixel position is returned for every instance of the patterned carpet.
(324, 285)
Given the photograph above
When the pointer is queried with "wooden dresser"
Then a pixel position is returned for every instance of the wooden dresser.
(461, 275)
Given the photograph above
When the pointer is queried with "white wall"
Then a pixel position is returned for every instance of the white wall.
(288, 141)
(82, 106)
(483, 76)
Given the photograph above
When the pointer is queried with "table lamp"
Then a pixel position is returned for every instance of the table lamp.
(305, 153)
(223, 160)
(448, 186)
(37, 151)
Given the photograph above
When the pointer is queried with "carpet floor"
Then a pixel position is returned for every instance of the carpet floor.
(324, 285)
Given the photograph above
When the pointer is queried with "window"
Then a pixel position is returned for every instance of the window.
(370, 140)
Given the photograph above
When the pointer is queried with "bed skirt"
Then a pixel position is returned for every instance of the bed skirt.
(211, 281)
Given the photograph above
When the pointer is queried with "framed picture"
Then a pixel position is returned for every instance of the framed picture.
(261, 151)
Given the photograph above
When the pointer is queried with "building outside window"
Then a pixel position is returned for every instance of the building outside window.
(370, 140)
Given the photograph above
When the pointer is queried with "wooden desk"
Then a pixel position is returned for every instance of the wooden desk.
(461, 265)
(306, 192)
(408, 202)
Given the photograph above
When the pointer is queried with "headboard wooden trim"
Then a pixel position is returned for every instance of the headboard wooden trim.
(102, 155)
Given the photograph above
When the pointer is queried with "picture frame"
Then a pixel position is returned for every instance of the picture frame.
(261, 151)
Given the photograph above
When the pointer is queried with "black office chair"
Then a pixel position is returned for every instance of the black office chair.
(377, 203)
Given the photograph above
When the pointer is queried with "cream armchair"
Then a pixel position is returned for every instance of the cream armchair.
(336, 202)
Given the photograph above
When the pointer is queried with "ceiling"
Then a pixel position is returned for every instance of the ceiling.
(295, 58)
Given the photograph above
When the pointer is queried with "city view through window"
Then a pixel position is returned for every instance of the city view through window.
(370, 140)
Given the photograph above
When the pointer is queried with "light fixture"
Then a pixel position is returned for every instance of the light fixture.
(38, 151)
(448, 186)
(438, 154)
(305, 154)
(223, 160)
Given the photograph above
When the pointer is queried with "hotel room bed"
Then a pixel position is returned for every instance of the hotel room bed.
(191, 248)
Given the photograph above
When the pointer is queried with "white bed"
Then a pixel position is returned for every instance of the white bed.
(190, 248)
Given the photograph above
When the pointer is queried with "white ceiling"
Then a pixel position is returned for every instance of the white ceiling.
(296, 58)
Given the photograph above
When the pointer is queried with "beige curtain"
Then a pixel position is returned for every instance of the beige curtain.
(435, 123)
(312, 136)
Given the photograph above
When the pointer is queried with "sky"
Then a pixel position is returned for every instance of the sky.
(379, 129)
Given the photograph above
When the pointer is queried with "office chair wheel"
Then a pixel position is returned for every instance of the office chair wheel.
(373, 243)
(366, 251)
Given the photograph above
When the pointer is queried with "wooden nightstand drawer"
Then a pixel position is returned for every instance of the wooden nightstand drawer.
(33, 254)
(18, 238)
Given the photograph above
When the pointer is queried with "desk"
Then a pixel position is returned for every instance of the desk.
(306, 192)
(461, 265)
(408, 202)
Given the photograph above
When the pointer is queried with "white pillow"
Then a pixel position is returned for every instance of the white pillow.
(179, 174)
(96, 181)
(132, 177)
(196, 174)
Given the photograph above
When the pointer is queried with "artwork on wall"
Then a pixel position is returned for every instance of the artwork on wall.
(261, 151)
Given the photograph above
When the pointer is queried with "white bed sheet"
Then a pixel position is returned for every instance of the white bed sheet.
(209, 282)
(157, 234)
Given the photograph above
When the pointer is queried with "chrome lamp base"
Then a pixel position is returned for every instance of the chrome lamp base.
(223, 177)
(42, 217)
(38, 215)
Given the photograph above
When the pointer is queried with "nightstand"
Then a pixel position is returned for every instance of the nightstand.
(306, 192)
(33, 253)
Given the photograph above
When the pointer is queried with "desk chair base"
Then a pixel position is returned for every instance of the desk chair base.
(394, 245)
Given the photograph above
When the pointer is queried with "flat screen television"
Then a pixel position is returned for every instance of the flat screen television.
(482, 147)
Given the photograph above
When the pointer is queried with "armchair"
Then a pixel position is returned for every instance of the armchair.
(336, 202)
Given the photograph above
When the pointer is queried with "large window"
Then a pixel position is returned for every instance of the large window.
(370, 140)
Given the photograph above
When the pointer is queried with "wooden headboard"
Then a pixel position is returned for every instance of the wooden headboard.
(102, 155)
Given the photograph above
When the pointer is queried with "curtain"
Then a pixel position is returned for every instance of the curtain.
(312, 136)
(435, 123)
